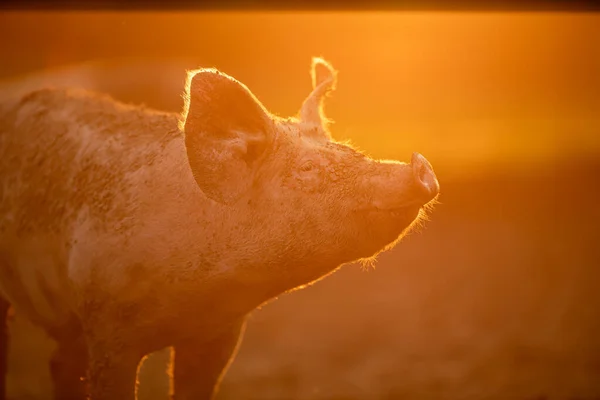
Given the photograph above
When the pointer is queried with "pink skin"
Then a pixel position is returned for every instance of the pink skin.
(173, 234)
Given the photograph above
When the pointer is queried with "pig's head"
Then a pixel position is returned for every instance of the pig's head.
(299, 191)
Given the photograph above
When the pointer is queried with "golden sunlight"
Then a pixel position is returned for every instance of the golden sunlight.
(466, 89)
(493, 293)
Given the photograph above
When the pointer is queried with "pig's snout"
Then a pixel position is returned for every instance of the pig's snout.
(424, 178)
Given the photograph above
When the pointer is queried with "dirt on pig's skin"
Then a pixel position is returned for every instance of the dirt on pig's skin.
(505, 307)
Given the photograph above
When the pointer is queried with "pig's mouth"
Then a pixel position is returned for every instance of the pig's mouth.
(404, 213)
(421, 192)
(425, 188)
(400, 206)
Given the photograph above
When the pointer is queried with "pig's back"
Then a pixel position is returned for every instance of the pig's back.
(66, 158)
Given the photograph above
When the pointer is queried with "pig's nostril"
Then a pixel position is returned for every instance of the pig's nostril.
(424, 176)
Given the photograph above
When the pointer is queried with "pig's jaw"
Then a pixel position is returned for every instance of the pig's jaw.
(312, 259)
(382, 229)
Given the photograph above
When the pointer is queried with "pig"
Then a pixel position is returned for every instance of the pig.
(126, 230)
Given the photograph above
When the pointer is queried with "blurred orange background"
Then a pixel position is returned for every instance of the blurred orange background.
(497, 297)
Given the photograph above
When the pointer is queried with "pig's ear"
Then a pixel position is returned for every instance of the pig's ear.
(324, 79)
(226, 132)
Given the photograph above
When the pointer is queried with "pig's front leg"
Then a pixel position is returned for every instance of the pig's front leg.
(112, 373)
(68, 365)
(113, 359)
(200, 366)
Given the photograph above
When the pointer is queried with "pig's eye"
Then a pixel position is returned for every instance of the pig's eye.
(307, 166)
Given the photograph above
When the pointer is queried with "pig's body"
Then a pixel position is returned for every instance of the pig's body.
(78, 198)
(114, 238)
(91, 207)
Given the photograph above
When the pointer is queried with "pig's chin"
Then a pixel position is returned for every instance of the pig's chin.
(395, 218)
(385, 226)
